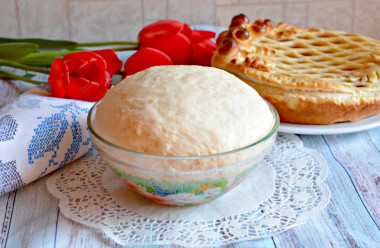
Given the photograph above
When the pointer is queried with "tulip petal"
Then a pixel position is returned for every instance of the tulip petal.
(202, 53)
(113, 63)
(144, 59)
(58, 78)
(177, 47)
(93, 73)
(202, 47)
(84, 89)
(75, 61)
(186, 30)
(79, 88)
(99, 94)
(205, 34)
(159, 29)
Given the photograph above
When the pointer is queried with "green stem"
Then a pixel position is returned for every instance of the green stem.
(107, 43)
(118, 49)
(63, 53)
(48, 54)
(14, 76)
(24, 67)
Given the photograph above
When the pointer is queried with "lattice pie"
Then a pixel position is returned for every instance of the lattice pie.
(311, 76)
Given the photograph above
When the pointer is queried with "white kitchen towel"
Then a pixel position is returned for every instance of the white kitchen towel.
(39, 134)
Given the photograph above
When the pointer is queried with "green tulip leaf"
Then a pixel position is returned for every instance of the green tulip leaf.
(9, 75)
(39, 61)
(28, 75)
(42, 43)
(43, 59)
(2, 75)
(16, 50)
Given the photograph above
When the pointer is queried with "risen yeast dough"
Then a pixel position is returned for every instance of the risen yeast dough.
(182, 111)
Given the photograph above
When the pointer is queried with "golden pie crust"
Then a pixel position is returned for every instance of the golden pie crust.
(311, 76)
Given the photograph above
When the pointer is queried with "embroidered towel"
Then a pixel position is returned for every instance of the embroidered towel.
(39, 134)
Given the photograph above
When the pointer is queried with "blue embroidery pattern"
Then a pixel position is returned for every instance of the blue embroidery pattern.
(6, 109)
(10, 178)
(8, 128)
(49, 134)
(28, 103)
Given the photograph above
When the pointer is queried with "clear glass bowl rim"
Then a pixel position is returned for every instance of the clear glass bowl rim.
(266, 137)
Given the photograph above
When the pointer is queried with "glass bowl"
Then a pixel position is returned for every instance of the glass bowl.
(172, 180)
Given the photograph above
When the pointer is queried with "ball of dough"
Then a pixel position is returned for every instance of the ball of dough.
(182, 111)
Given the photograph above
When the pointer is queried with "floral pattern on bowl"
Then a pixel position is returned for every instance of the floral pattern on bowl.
(181, 194)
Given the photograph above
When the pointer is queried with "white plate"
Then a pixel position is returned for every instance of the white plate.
(339, 128)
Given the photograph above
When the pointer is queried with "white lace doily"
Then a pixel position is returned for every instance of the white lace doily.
(280, 194)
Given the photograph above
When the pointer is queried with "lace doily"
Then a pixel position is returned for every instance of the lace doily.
(286, 189)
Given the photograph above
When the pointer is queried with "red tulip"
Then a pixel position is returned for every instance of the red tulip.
(176, 40)
(168, 36)
(83, 75)
(144, 59)
(160, 29)
(202, 47)
(113, 62)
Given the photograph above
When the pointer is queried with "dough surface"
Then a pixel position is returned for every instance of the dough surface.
(182, 111)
